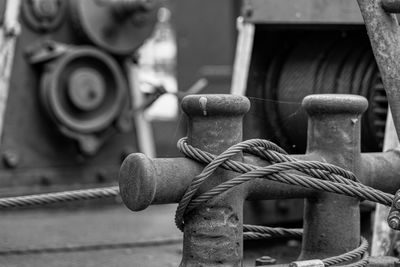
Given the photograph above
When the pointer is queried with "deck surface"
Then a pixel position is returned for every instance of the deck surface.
(111, 236)
(108, 236)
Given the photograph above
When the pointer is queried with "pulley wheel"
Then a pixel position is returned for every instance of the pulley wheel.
(101, 23)
(83, 90)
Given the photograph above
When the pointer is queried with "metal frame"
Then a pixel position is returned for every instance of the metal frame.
(302, 12)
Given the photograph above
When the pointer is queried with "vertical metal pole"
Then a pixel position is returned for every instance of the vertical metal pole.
(384, 34)
(144, 130)
(331, 221)
(213, 232)
(9, 32)
(244, 49)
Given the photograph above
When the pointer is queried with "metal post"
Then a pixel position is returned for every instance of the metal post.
(331, 221)
(213, 232)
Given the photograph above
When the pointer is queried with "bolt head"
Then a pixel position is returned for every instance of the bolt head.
(10, 159)
(89, 145)
(394, 223)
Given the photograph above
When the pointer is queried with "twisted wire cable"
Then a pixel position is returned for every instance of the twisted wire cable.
(261, 232)
(362, 193)
(358, 252)
(272, 231)
(51, 198)
(209, 169)
(338, 181)
(361, 263)
(272, 156)
(275, 157)
(324, 170)
(285, 169)
(256, 236)
(205, 157)
(317, 169)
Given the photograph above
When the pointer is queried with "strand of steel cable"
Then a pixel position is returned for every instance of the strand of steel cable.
(358, 252)
(322, 176)
(258, 231)
(51, 198)
(361, 263)
(297, 233)
(206, 157)
(262, 232)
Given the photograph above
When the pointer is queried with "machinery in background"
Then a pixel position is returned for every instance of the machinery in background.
(67, 116)
(289, 49)
(296, 48)
(158, 68)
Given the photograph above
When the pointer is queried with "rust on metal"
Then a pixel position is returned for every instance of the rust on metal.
(384, 34)
(391, 6)
(213, 232)
(333, 135)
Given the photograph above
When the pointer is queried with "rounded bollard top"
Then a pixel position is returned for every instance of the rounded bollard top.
(334, 104)
(215, 104)
(136, 181)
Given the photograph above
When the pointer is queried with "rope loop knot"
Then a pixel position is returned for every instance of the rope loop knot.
(284, 169)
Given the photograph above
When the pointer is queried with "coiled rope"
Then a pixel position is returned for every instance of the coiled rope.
(285, 169)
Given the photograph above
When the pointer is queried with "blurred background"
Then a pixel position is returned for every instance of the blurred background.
(84, 83)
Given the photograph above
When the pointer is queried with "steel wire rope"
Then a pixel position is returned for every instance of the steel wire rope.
(284, 169)
(339, 181)
(51, 198)
(321, 176)
(358, 252)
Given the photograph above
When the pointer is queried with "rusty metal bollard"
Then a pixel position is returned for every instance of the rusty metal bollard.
(215, 124)
(334, 135)
(213, 232)
(331, 221)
